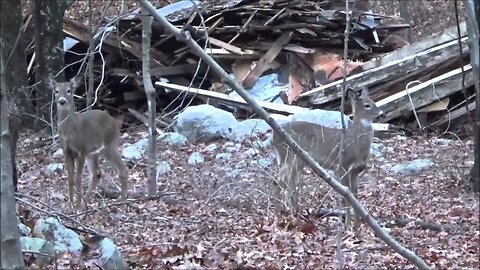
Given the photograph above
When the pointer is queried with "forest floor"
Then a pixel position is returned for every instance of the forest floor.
(218, 215)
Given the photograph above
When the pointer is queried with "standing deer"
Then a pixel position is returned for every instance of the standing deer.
(85, 136)
(323, 144)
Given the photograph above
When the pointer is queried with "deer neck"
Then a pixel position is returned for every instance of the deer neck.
(362, 123)
(63, 115)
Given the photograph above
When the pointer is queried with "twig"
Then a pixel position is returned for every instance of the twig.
(128, 201)
(53, 211)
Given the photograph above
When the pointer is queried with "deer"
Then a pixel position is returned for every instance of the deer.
(84, 136)
(323, 144)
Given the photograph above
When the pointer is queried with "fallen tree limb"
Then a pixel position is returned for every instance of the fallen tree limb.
(343, 190)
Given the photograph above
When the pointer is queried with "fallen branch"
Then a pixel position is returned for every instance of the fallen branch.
(344, 191)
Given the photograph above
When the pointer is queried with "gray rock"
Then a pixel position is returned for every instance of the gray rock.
(173, 138)
(131, 152)
(249, 128)
(195, 158)
(232, 173)
(376, 149)
(263, 162)
(58, 153)
(55, 167)
(231, 147)
(440, 141)
(136, 150)
(414, 167)
(211, 147)
(163, 168)
(250, 152)
(263, 145)
(241, 165)
(224, 156)
(205, 123)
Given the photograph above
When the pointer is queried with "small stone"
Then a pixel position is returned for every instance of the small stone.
(195, 158)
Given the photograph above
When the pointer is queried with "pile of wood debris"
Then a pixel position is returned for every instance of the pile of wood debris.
(295, 45)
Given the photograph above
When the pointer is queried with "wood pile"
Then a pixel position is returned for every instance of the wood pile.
(301, 41)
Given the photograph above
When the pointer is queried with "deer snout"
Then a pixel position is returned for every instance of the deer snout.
(62, 101)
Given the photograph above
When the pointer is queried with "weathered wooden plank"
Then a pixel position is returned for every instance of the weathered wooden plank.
(425, 93)
(390, 71)
(446, 36)
(226, 46)
(453, 115)
(264, 62)
(234, 101)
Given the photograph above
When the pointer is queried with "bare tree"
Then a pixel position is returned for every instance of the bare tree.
(405, 14)
(48, 18)
(16, 74)
(473, 22)
(10, 252)
(151, 95)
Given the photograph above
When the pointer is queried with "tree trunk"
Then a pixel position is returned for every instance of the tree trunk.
(48, 18)
(405, 15)
(151, 98)
(473, 23)
(16, 74)
(10, 251)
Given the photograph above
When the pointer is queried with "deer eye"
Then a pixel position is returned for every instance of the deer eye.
(68, 92)
(56, 92)
(367, 106)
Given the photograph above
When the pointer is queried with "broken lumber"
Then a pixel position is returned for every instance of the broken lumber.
(395, 69)
(425, 93)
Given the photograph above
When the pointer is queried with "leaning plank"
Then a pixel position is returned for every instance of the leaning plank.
(453, 115)
(226, 46)
(240, 103)
(234, 101)
(264, 62)
(425, 93)
(390, 71)
(450, 34)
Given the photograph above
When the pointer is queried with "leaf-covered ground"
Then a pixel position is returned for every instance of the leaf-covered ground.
(217, 214)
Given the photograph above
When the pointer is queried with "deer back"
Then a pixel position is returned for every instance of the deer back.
(323, 143)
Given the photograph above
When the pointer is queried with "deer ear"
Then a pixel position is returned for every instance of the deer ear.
(351, 94)
(50, 82)
(365, 92)
(76, 81)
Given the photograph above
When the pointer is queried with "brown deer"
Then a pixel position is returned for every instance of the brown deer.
(85, 136)
(323, 144)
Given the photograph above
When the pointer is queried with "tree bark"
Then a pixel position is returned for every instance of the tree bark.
(151, 95)
(473, 22)
(16, 74)
(405, 14)
(10, 251)
(48, 18)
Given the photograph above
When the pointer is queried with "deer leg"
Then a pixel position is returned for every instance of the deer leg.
(294, 185)
(92, 164)
(70, 167)
(112, 154)
(345, 180)
(78, 179)
(279, 185)
(355, 171)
